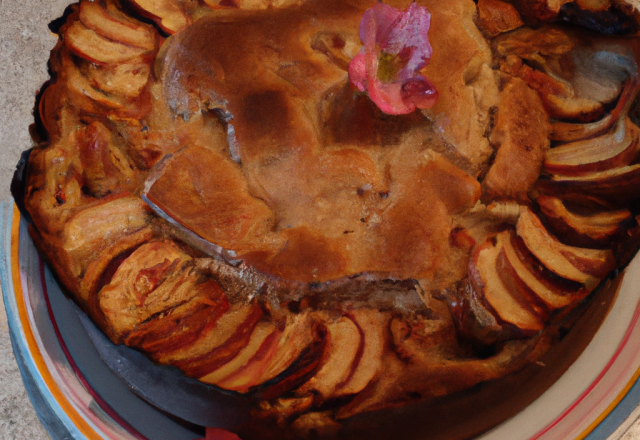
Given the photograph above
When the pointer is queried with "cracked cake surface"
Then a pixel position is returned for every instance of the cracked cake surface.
(217, 190)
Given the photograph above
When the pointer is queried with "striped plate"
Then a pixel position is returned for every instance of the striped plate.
(77, 397)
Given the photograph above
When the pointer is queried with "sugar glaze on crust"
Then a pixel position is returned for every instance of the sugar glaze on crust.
(213, 192)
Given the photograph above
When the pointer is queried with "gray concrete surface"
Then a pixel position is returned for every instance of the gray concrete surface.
(25, 42)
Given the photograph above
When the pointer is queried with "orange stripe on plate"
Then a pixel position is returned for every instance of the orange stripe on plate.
(75, 417)
(610, 408)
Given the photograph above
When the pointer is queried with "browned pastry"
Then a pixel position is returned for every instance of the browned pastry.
(214, 191)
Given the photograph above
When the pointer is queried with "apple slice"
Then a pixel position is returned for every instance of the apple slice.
(487, 283)
(122, 80)
(94, 17)
(615, 149)
(181, 325)
(571, 132)
(344, 344)
(263, 338)
(371, 324)
(529, 281)
(217, 346)
(275, 355)
(581, 230)
(557, 94)
(87, 44)
(167, 13)
(571, 108)
(86, 96)
(617, 186)
(585, 266)
(303, 368)
(299, 335)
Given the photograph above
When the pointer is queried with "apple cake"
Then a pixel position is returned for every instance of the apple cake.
(337, 206)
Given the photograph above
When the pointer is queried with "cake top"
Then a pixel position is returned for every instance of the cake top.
(309, 180)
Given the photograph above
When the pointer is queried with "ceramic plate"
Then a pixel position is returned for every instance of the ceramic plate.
(77, 396)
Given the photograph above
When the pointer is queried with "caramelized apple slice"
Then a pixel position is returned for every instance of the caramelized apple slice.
(617, 186)
(615, 149)
(146, 284)
(571, 132)
(87, 44)
(85, 96)
(218, 345)
(585, 266)
(94, 17)
(115, 218)
(572, 108)
(167, 13)
(270, 359)
(180, 325)
(489, 286)
(121, 80)
(557, 95)
(298, 336)
(339, 359)
(260, 344)
(302, 368)
(371, 324)
(582, 230)
(528, 280)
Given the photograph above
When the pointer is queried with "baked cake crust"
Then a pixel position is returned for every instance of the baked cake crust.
(211, 188)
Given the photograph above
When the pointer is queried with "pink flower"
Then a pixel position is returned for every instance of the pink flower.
(396, 48)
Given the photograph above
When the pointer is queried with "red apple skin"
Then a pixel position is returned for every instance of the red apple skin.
(509, 309)
(300, 370)
(598, 230)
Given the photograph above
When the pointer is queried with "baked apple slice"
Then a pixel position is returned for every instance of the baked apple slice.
(233, 375)
(571, 132)
(585, 266)
(168, 14)
(96, 18)
(88, 44)
(299, 334)
(505, 304)
(268, 354)
(372, 329)
(217, 346)
(572, 108)
(180, 325)
(87, 97)
(341, 357)
(531, 281)
(615, 149)
(594, 230)
(617, 186)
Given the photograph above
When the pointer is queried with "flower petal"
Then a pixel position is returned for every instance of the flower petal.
(388, 98)
(396, 48)
(358, 72)
(376, 23)
(409, 34)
